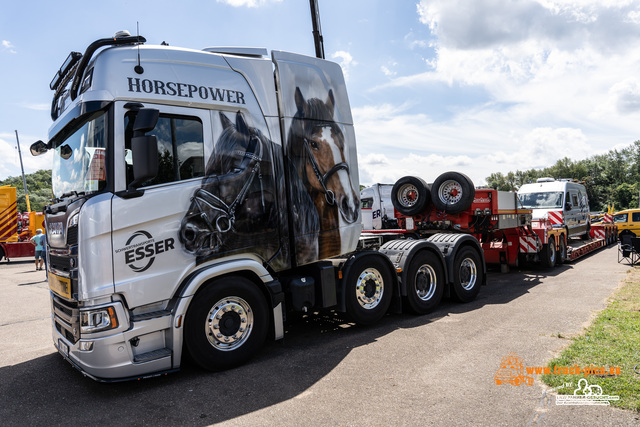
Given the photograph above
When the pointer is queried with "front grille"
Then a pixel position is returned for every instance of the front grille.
(72, 235)
(66, 317)
(60, 263)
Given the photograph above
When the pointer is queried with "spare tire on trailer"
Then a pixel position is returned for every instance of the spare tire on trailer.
(410, 195)
(452, 192)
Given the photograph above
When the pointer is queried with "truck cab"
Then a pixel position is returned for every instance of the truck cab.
(185, 183)
(563, 202)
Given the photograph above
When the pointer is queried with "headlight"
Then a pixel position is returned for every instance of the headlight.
(98, 320)
(73, 220)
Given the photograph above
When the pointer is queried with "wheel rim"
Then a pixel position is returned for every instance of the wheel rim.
(468, 274)
(369, 288)
(408, 195)
(229, 323)
(426, 282)
(450, 192)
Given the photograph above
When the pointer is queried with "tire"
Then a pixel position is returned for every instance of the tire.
(452, 192)
(410, 195)
(226, 323)
(467, 274)
(425, 283)
(548, 254)
(561, 256)
(587, 235)
(368, 289)
(1, 253)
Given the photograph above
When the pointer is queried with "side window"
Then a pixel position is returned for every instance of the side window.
(180, 148)
(620, 218)
(635, 216)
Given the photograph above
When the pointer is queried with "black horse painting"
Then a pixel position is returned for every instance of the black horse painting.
(235, 207)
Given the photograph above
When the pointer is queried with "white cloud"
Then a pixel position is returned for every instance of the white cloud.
(248, 3)
(345, 60)
(7, 45)
(559, 79)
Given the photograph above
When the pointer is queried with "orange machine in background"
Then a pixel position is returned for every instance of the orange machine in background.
(14, 240)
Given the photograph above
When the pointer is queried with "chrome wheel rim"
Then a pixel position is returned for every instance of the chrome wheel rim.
(450, 192)
(408, 195)
(425, 282)
(369, 288)
(468, 274)
(229, 323)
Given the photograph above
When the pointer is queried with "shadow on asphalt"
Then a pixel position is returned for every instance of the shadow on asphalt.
(47, 390)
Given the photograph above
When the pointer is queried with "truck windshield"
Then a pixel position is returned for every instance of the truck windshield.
(79, 158)
(547, 200)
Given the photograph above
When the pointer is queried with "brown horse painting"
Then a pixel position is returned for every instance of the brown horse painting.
(315, 148)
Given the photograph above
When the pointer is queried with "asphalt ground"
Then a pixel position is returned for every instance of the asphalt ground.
(436, 369)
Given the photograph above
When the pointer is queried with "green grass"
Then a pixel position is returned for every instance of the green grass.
(612, 340)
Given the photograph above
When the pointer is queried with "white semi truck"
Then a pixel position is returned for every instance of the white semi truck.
(199, 195)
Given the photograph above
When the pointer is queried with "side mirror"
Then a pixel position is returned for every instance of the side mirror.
(144, 148)
(568, 206)
(39, 147)
(146, 120)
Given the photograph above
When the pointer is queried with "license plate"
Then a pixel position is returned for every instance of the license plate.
(60, 285)
(63, 347)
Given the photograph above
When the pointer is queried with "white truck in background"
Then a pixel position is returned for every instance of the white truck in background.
(563, 202)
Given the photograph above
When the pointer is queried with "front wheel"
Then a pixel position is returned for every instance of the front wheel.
(226, 323)
(368, 289)
(425, 283)
(467, 275)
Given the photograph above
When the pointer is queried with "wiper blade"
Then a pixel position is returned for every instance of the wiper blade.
(72, 193)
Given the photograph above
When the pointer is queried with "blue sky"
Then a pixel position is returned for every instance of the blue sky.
(477, 86)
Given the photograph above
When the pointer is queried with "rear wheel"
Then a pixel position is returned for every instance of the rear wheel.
(452, 192)
(562, 252)
(548, 253)
(368, 289)
(1, 253)
(410, 195)
(467, 274)
(425, 283)
(226, 323)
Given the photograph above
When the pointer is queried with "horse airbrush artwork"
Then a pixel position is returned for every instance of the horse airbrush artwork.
(235, 206)
(316, 150)
(240, 204)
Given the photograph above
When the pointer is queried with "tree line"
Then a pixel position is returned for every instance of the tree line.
(611, 178)
(38, 186)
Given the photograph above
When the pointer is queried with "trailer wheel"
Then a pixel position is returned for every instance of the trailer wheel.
(425, 283)
(452, 192)
(368, 290)
(226, 323)
(410, 195)
(548, 253)
(562, 252)
(467, 274)
(1, 253)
